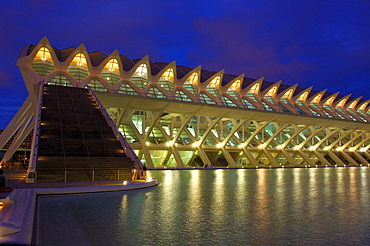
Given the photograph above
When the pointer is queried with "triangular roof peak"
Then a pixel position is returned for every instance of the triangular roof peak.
(305, 91)
(277, 84)
(258, 81)
(315, 97)
(281, 94)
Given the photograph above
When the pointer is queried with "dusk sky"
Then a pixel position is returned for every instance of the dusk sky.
(324, 44)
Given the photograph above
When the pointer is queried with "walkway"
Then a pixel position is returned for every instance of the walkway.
(17, 180)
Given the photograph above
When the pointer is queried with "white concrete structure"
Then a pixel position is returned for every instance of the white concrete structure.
(175, 116)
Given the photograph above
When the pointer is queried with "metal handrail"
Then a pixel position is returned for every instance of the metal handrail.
(35, 139)
(102, 135)
(93, 170)
(81, 130)
(61, 133)
(125, 145)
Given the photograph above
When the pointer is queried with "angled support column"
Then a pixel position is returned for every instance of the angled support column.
(306, 158)
(250, 157)
(16, 122)
(272, 160)
(228, 157)
(289, 158)
(349, 159)
(337, 160)
(20, 122)
(176, 154)
(204, 157)
(360, 158)
(321, 158)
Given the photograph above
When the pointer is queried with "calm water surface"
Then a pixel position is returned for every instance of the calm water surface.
(316, 206)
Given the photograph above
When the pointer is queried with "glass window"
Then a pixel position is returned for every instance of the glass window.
(140, 77)
(111, 72)
(95, 85)
(78, 67)
(125, 88)
(155, 92)
(43, 63)
(228, 102)
(191, 84)
(214, 86)
(60, 80)
(206, 99)
(180, 95)
(253, 91)
(248, 104)
(167, 80)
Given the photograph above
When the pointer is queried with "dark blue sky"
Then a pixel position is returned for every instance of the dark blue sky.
(325, 44)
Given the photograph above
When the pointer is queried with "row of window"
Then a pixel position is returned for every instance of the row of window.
(210, 92)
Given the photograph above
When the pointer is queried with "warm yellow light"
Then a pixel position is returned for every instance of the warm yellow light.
(196, 144)
(317, 99)
(363, 149)
(288, 94)
(193, 79)
(79, 60)
(215, 82)
(254, 89)
(147, 143)
(219, 145)
(340, 148)
(280, 146)
(363, 106)
(303, 97)
(236, 85)
(352, 105)
(341, 103)
(261, 146)
(352, 149)
(272, 91)
(312, 148)
(141, 71)
(149, 179)
(112, 65)
(329, 101)
(168, 75)
(43, 54)
(296, 147)
(327, 148)
(125, 182)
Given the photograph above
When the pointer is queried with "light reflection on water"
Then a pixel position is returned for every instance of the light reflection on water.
(315, 206)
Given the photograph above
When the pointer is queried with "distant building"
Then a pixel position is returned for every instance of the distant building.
(175, 116)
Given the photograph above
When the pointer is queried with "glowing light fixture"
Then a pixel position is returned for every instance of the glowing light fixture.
(196, 144)
(262, 146)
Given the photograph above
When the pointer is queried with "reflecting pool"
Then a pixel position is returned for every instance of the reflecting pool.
(315, 206)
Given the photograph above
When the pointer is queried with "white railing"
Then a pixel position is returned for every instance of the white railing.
(31, 176)
(125, 145)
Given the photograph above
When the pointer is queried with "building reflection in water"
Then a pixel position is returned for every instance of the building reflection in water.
(313, 206)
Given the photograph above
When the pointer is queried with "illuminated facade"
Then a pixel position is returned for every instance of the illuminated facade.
(175, 116)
